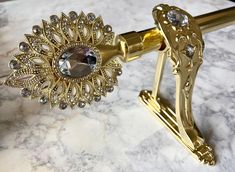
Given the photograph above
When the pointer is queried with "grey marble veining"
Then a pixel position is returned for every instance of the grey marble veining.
(118, 134)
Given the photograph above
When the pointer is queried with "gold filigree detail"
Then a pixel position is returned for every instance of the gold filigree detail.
(184, 47)
(39, 72)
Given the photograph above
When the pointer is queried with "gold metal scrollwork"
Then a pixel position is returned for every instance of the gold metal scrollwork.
(184, 47)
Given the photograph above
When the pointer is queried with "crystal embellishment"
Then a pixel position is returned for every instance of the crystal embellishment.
(63, 105)
(13, 64)
(43, 100)
(81, 104)
(23, 46)
(177, 18)
(189, 49)
(91, 16)
(77, 61)
(60, 63)
(25, 92)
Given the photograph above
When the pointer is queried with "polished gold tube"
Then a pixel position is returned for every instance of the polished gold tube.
(216, 20)
(133, 44)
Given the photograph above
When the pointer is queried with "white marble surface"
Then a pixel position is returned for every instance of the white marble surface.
(118, 134)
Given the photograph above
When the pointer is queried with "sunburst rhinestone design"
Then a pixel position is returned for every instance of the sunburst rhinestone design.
(60, 62)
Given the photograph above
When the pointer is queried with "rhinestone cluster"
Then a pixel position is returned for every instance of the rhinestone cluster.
(60, 63)
(176, 18)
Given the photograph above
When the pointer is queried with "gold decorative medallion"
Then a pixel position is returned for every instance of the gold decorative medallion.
(60, 62)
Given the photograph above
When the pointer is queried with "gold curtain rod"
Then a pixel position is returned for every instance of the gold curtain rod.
(133, 44)
(216, 20)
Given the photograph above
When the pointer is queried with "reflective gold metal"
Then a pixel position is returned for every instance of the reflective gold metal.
(171, 41)
(183, 45)
(151, 39)
(179, 120)
(36, 69)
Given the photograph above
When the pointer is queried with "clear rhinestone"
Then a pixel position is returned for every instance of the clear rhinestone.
(43, 100)
(110, 89)
(81, 104)
(78, 61)
(63, 105)
(37, 30)
(54, 19)
(97, 98)
(119, 72)
(177, 18)
(23, 46)
(14, 64)
(189, 49)
(91, 16)
(108, 28)
(73, 15)
(25, 92)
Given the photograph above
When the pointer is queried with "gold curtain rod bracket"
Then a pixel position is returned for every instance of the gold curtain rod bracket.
(183, 45)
